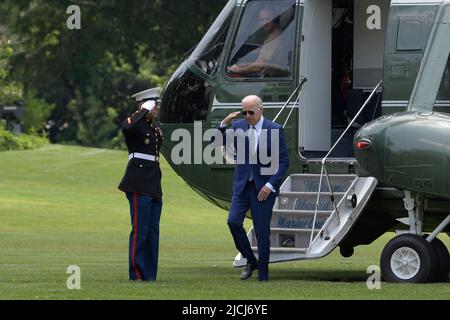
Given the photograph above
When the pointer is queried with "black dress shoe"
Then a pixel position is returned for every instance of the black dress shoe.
(247, 273)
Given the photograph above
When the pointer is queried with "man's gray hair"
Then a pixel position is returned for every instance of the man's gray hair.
(253, 99)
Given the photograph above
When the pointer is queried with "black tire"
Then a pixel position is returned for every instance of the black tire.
(442, 259)
(435, 263)
(419, 257)
(346, 252)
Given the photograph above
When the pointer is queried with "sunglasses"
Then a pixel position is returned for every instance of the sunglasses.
(249, 112)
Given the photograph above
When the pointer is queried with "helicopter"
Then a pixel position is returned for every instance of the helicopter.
(362, 89)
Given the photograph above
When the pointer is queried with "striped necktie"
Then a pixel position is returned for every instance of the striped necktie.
(253, 139)
(253, 143)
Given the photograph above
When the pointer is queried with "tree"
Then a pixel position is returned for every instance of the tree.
(37, 111)
(10, 91)
(102, 64)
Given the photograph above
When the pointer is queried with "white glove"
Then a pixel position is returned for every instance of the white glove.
(149, 105)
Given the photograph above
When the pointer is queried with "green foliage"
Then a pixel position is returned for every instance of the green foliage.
(117, 142)
(123, 47)
(9, 141)
(36, 113)
(95, 122)
(9, 90)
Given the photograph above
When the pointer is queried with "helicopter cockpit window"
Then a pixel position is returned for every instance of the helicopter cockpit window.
(264, 43)
(207, 52)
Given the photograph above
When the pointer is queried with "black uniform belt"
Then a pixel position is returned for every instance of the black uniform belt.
(144, 156)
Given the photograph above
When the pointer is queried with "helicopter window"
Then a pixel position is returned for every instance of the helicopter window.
(207, 53)
(409, 31)
(264, 49)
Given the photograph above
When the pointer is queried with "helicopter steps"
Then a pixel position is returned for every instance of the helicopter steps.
(299, 231)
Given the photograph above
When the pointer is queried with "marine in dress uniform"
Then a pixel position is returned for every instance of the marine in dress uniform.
(142, 185)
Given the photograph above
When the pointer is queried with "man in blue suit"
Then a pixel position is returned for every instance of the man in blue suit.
(256, 181)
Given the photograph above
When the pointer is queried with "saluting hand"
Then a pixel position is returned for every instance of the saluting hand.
(230, 117)
(264, 193)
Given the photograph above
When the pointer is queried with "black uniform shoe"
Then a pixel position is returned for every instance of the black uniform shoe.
(247, 273)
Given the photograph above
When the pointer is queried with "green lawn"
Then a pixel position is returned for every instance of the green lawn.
(59, 206)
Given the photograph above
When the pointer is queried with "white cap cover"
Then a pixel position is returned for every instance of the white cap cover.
(152, 93)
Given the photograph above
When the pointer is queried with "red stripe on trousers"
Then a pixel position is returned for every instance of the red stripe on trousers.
(135, 229)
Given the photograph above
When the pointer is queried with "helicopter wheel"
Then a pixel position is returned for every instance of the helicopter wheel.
(442, 261)
(408, 258)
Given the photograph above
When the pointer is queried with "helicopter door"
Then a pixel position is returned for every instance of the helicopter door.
(315, 65)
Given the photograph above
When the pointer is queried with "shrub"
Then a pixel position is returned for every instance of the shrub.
(9, 141)
(36, 114)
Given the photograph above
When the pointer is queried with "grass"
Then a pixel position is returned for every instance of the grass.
(59, 206)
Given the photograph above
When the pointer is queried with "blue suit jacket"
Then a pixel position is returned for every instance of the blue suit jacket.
(242, 170)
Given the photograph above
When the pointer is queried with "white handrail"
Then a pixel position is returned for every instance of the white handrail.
(297, 101)
(323, 169)
(299, 87)
(353, 120)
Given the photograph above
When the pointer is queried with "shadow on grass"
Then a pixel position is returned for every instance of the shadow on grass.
(294, 274)
(321, 275)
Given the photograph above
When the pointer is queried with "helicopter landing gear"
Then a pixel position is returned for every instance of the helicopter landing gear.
(408, 258)
(413, 257)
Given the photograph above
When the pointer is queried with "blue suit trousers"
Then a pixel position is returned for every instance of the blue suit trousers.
(261, 215)
(145, 214)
